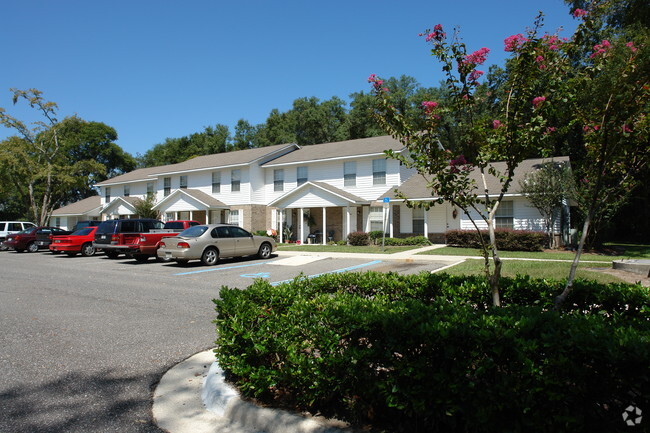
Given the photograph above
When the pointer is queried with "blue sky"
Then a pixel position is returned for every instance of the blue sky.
(158, 69)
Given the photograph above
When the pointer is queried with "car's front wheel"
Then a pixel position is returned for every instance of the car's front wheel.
(210, 257)
(32, 247)
(87, 250)
(264, 251)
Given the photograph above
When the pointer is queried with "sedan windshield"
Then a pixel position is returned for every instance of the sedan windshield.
(193, 232)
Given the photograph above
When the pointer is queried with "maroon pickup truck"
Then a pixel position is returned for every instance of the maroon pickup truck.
(137, 238)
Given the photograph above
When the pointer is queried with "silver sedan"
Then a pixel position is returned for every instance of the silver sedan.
(210, 242)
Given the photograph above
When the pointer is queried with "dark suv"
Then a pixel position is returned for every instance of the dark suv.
(112, 236)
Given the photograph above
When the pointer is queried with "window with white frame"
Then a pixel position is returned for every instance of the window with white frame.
(379, 172)
(107, 194)
(216, 182)
(167, 186)
(169, 216)
(302, 175)
(127, 190)
(278, 180)
(234, 217)
(376, 217)
(504, 217)
(350, 173)
(418, 220)
(149, 188)
(235, 180)
(183, 182)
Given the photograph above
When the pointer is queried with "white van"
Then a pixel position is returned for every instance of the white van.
(9, 227)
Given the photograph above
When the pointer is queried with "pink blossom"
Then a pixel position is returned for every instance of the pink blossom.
(437, 35)
(552, 41)
(456, 163)
(579, 13)
(514, 42)
(478, 57)
(429, 105)
(631, 46)
(540, 62)
(496, 124)
(600, 48)
(549, 130)
(538, 101)
(626, 128)
(474, 75)
(377, 83)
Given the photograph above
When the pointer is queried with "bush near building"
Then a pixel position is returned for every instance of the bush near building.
(507, 240)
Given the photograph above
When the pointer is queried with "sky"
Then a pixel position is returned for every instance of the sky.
(156, 69)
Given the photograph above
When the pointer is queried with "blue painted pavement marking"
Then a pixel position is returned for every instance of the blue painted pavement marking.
(337, 271)
(258, 275)
(222, 268)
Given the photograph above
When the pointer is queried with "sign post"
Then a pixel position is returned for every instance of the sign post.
(385, 221)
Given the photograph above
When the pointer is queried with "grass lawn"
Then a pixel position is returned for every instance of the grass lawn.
(547, 270)
(375, 249)
(633, 251)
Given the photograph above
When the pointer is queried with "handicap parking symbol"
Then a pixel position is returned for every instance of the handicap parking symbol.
(258, 275)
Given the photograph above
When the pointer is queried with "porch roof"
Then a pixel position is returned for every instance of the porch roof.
(343, 196)
(87, 206)
(201, 197)
(128, 202)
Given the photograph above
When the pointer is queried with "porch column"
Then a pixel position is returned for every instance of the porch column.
(301, 218)
(426, 223)
(390, 222)
(192, 215)
(347, 221)
(281, 226)
(324, 230)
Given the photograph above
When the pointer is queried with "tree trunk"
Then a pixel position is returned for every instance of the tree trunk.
(574, 266)
(496, 276)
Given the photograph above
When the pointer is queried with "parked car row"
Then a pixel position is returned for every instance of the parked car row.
(141, 239)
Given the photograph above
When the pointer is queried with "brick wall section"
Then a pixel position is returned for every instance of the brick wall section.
(254, 217)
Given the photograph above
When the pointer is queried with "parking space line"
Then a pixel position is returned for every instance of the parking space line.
(336, 271)
(222, 268)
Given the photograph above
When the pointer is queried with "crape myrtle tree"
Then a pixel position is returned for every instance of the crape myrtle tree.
(608, 97)
(513, 128)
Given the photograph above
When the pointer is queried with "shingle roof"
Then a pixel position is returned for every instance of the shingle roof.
(238, 157)
(341, 149)
(80, 207)
(324, 186)
(415, 186)
(132, 176)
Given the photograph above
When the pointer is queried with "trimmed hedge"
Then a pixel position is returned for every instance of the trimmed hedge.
(425, 353)
(506, 239)
(413, 240)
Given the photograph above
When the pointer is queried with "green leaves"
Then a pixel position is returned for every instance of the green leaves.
(428, 353)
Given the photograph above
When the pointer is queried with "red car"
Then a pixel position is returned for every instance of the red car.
(27, 239)
(80, 241)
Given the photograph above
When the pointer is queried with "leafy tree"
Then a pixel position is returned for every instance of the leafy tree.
(518, 130)
(547, 189)
(37, 163)
(144, 208)
(246, 135)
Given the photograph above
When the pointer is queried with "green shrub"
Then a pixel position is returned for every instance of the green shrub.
(424, 353)
(358, 239)
(376, 236)
(506, 239)
(414, 240)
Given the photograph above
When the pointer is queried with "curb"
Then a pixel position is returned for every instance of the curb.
(193, 397)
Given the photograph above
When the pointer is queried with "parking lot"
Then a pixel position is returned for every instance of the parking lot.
(85, 339)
